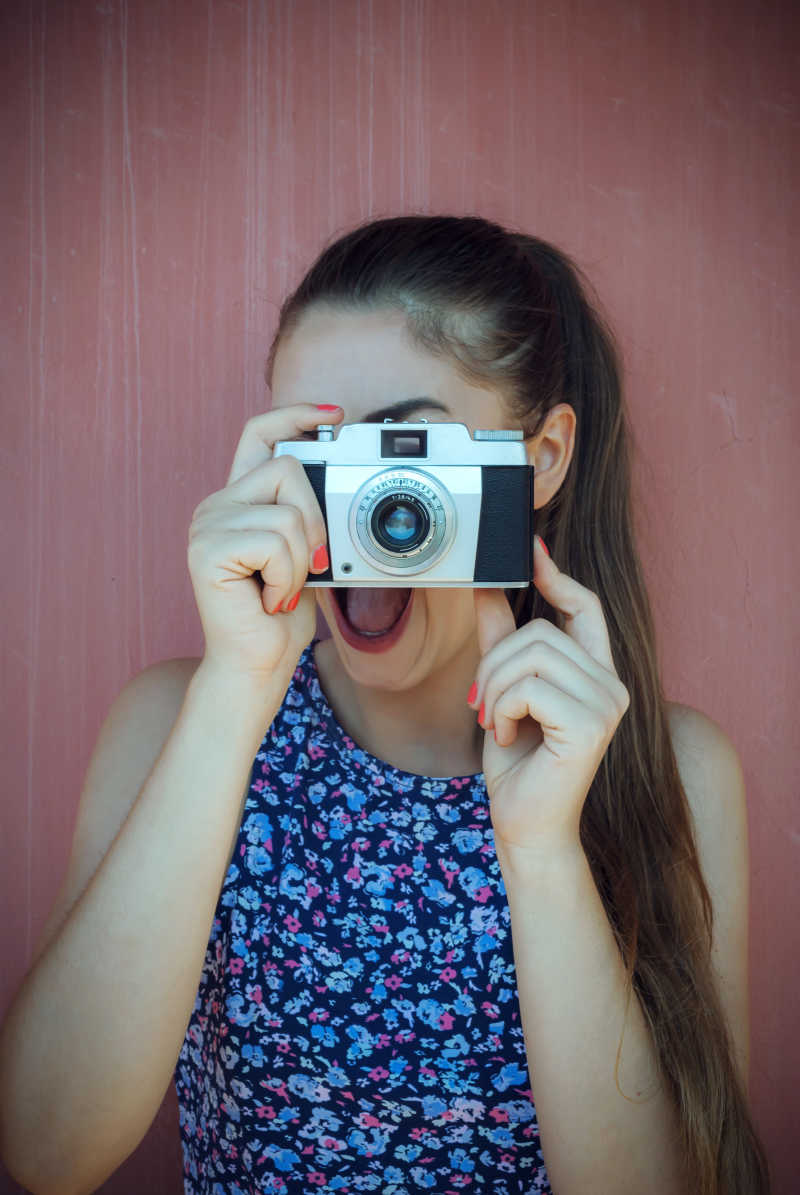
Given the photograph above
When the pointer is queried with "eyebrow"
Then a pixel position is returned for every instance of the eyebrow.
(406, 406)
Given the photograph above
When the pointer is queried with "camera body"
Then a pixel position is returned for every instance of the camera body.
(418, 504)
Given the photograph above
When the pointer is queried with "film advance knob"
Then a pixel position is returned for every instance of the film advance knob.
(324, 431)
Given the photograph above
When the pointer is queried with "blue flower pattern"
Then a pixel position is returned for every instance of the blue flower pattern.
(356, 1026)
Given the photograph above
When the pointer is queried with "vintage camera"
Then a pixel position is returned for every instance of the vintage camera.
(421, 504)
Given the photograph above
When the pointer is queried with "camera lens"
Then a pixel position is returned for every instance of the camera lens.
(402, 521)
(400, 524)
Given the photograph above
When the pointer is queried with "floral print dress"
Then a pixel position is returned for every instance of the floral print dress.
(357, 1023)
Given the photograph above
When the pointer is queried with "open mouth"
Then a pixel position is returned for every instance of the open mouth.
(371, 611)
(371, 619)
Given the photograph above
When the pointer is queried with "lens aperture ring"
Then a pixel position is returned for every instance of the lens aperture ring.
(402, 521)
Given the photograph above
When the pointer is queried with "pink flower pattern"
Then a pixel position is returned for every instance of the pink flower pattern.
(356, 1026)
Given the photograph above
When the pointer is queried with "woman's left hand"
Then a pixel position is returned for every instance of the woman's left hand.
(554, 700)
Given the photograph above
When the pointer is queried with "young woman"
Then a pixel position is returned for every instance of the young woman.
(477, 892)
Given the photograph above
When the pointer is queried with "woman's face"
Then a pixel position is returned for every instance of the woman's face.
(366, 364)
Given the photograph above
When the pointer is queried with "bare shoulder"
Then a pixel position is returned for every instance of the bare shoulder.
(177, 671)
(171, 676)
(139, 720)
(708, 762)
(143, 712)
(132, 735)
(713, 780)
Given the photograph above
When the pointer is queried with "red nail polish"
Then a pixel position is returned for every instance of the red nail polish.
(544, 545)
(320, 558)
(293, 602)
(480, 713)
(326, 406)
(473, 693)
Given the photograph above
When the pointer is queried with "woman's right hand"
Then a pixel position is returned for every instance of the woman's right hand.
(266, 521)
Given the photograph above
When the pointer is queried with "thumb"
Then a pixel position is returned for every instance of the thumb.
(494, 616)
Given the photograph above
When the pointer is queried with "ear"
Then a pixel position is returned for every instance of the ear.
(550, 452)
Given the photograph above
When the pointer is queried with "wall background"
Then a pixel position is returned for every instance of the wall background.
(172, 168)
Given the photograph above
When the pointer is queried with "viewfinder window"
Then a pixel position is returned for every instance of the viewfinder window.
(397, 443)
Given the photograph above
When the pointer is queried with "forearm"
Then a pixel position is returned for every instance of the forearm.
(94, 1033)
(573, 1002)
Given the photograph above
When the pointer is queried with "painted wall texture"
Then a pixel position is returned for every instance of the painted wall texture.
(170, 169)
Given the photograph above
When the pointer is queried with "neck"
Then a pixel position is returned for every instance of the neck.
(428, 730)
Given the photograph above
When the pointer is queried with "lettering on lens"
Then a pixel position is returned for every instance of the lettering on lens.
(402, 521)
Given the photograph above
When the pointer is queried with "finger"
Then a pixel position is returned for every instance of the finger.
(278, 482)
(569, 726)
(518, 644)
(543, 660)
(279, 574)
(251, 551)
(494, 617)
(583, 614)
(262, 432)
(286, 521)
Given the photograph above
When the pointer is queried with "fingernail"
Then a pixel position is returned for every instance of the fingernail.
(480, 714)
(473, 693)
(320, 558)
(291, 604)
(326, 406)
(544, 545)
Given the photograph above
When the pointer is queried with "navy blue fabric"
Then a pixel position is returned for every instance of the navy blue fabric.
(357, 1024)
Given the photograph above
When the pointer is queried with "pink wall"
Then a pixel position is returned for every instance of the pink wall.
(170, 169)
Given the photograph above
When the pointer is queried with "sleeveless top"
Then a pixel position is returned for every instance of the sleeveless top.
(357, 1024)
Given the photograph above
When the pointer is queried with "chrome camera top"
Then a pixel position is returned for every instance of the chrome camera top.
(421, 504)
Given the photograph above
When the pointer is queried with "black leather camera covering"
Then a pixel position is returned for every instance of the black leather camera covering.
(505, 533)
(316, 475)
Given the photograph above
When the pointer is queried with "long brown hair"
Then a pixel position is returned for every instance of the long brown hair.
(513, 311)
